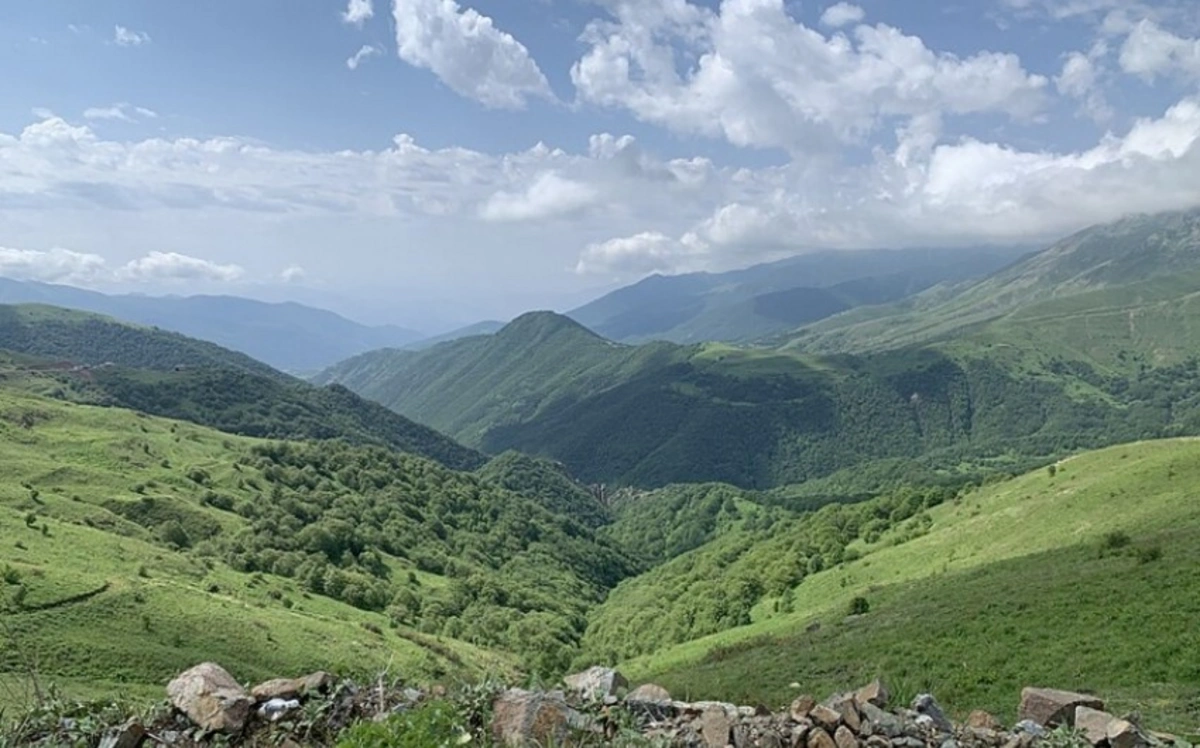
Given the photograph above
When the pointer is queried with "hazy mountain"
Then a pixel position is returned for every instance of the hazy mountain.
(288, 336)
(753, 302)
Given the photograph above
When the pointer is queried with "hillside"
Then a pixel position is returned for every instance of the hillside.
(487, 327)
(288, 336)
(1144, 250)
(746, 304)
(1082, 576)
(658, 414)
(170, 375)
(134, 546)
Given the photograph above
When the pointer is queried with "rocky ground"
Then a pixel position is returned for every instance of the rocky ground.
(207, 706)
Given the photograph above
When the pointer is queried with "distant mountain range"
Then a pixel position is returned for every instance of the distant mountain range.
(288, 336)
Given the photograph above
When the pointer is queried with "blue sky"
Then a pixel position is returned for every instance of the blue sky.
(479, 159)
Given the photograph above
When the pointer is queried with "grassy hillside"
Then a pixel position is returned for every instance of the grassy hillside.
(1131, 251)
(288, 336)
(750, 303)
(1081, 577)
(133, 546)
(178, 377)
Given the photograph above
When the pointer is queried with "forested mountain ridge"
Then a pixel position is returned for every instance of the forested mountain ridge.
(288, 336)
(171, 375)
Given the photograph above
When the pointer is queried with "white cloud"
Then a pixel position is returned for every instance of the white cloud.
(761, 78)
(292, 274)
(55, 265)
(363, 53)
(1151, 51)
(358, 11)
(172, 266)
(549, 196)
(842, 14)
(640, 254)
(468, 53)
(1079, 80)
(124, 37)
(122, 111)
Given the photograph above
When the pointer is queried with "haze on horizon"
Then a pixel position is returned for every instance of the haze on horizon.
(432, 163)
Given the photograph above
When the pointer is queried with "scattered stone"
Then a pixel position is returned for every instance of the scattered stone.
(649, 692)
(799, 734)
(129, 735)
(951, 743)
(878, 741)
(521, 718)
(881, 722)
(1050, 707)
(982, 720)
(926, 706)
(1122, 733)
(211, 698)
(279, 688)
(1029, 727)
(825, 716)
(595, 683)
(1093, 723)
(874, 693)
(318, 682)
(801, 707)
(845, 738)
(715, 726)
(819, 738)
(844, 705)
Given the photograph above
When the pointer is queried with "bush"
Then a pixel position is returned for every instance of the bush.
(859, 606)
(1149, 555)
(437, 723)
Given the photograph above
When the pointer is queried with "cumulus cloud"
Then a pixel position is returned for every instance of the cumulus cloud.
(1079, 80)
(358, 12)
(468, 53)
(842, 14)
(363, 53)
(124, 37)
(1151, 51)
(122, 111)
(173, 266)
(549, 196)
(640, 254)
(763, 79)
(55, 265)
(292, 274)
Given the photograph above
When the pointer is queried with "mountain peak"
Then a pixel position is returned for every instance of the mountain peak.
(541, 325)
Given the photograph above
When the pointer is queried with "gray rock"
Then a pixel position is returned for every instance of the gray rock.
(649, 692)
(1093, 723)
(1030, 727)
(1122, 733)
(825, 716)
(845, 705)
(211, 698)
(927, 706)
(801, 707)
(874, 693)
(279, 688)
(595, 683)
(882, 722)
(1050, 707)
(129, 735)
(845, 738)
(983, 720)
(819, 738)
(715, 726)
(520, 718)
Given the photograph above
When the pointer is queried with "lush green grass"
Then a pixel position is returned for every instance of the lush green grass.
(106, 605)
(1007, 588)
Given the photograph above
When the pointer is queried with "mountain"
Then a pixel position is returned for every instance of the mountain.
(1154, 251)
(288, 336)
(662, 413)
(171, 375)
(486, 327)
(754, 302)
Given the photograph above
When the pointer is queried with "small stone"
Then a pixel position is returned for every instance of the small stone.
(129, 735)
(747, 711)
(649, 692)
(819, 738)
(1122, 733)
(1050, 707)
(1029, 727)
(1093, 723)
(715, 726)
(927, 707)
(801, 707)
(826, 717)
(882, 722)
(845, 738)
(279, 688)
(951, 743)
(770, 739)
(878, 741)
(873, 693)
(845, 706)
(318, 682)
(982, 720)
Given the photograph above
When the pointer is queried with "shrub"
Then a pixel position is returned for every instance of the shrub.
(859, 606)
(437, 723)
(11, 575)
(1149, 555)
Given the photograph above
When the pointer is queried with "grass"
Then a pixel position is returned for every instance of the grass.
(107, 610)
(1009, 588)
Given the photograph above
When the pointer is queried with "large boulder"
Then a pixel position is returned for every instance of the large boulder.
(716, 723)
(1124, 734)
(211, 698)
(596, 683)
(1093, 723)
(531, 718)
(1050, 707)
(649, 693)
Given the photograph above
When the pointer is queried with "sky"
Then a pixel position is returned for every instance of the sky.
(433, 162)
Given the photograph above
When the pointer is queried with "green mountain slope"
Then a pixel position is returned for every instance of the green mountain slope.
(1134, 250)
(659, 414)
(288, 336)
(746, 304)
(1082, 578)
(178, 377)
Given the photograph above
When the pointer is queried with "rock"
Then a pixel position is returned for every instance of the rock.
(521, 718)
(951, 743)
(874, 693)
(1050, 707)
(819, 738)
(926, 706)
(1029, 727)
(279, 688)
(801, 707)
(715, 726)
(845, 738)
(1093, 723)
(211, 698)
(649, 693)
(1122, 733)
(741, 737)
(982, 720)
(826, 717)
(878, 741)
(770, 739)
(882, 722)
(844, 705)
(129, 735)
(595, 683)
(318, 682)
